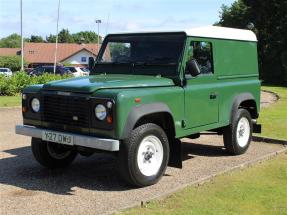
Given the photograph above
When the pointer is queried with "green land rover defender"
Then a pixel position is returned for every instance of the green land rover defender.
(145, 92)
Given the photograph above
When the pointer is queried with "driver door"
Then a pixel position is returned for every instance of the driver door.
(201, 93)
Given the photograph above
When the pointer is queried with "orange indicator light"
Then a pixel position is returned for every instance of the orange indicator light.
(137, 100)
(110, 119)
(24, 109)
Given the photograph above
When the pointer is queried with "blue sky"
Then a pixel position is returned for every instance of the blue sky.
(39, 16)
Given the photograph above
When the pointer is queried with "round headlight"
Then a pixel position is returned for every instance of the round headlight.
(100, 112)
(35, 104)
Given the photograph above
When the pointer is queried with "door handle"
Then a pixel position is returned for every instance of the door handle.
(212, 96)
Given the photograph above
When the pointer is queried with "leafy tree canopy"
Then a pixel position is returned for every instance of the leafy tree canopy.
(12, 41)
(64, 36)
(51, 39)
(36, 39)
(85, 37)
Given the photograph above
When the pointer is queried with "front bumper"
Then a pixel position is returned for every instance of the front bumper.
(79, 140)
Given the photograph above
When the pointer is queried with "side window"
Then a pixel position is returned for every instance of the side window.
(202, 53)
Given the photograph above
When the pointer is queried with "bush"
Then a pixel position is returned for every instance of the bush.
(10, 86)
(12, 62)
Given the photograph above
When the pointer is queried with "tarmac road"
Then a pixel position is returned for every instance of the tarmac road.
(92, 185)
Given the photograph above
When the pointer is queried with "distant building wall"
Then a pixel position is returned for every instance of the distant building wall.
(80, 58)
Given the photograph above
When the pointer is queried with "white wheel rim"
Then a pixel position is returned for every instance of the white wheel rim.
(243, 132)
(150, 155)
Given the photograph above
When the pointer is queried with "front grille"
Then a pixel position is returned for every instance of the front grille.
(66, 110)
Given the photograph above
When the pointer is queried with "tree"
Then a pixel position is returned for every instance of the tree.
(85, 37)
(51, 38)
(64, 36)
(36, 39)
(270, 20)
(12, 41)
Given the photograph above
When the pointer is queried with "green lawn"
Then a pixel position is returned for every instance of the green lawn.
(10, 101)
(274, 117)
(261, 189)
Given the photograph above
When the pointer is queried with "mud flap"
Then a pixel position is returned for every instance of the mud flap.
(175, 155)
(256, 128)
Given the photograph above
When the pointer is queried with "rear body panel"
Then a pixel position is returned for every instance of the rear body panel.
(209, 98)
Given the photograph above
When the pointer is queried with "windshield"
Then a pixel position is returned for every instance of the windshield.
(144, 54)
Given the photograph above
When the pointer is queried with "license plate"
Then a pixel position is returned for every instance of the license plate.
(57, 137)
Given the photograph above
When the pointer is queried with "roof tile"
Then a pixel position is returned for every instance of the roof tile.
(44, 52)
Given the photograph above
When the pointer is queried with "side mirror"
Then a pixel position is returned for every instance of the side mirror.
(192, 67)
(91, 63)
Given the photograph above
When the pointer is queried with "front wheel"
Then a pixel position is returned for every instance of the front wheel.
(237, 136)
(143, 157)
(52, 155)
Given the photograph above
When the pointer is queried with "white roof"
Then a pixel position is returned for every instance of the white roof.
(222, 33)
(212, 32)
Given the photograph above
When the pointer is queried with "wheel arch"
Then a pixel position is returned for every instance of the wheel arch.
(158, 113)
(246, 101)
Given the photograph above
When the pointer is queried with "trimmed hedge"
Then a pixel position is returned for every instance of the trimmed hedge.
(11, 86)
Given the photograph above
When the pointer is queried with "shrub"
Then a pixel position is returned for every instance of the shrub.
(6, 86)
(13, 85)
(12, 62)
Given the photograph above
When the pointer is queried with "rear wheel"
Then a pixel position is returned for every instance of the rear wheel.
(143, 157)
(52, 155)
(237, 136)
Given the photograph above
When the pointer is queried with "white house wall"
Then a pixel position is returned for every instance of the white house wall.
(77, 58)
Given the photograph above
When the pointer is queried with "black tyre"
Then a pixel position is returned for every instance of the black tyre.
(52, 155)
(143, 157)
(237, 136)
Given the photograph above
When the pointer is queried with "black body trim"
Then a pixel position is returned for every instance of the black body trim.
(238, 100)
(175, 155)
(257, 128)
(139, 112)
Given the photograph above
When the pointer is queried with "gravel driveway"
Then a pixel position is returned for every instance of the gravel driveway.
(268, 98)
(92, 185)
